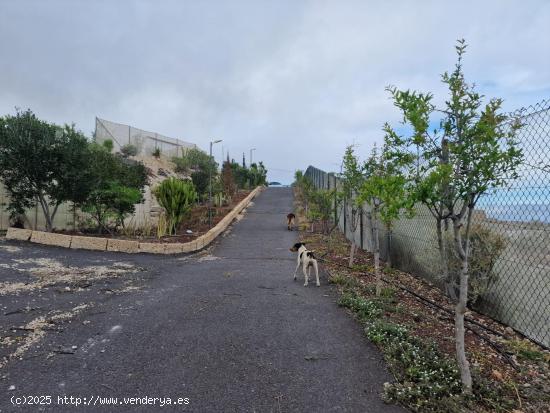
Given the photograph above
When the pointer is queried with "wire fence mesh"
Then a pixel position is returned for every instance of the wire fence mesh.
(145, 142)
(518, 293)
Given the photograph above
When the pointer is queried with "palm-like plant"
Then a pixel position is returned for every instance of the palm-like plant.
(176, 197)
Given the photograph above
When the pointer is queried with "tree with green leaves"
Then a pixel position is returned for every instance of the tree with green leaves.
(472, 151)
(352, 179)
(194, 160)
(228, 181)
(41, 163)
(322, 207)
(258, 174)
(241, 175)
(384, 190)
(305, 189)
(114, 201)
(116, 186)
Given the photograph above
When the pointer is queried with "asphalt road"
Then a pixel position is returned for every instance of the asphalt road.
(227, 329)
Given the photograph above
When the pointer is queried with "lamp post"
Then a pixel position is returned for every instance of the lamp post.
(210, 185)
(252, 149)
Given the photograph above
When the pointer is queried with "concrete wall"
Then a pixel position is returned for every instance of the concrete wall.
(64, 218)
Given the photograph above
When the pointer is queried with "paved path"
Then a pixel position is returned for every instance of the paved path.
(231, 331)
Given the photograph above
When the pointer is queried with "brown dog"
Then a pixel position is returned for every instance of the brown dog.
(290, 221)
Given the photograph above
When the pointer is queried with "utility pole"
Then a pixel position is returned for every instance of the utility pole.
(250, 160)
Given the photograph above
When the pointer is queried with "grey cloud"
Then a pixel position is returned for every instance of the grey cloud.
(296, 80)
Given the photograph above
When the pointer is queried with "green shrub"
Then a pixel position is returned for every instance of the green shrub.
(321, 207)
(486, 246)
(193, 159)
(338, 279)
(200, 180)
(156, 153)
(176, 197)
(129, 150)
(108, 144)
(114, 202)
(526, 350)
(123, 202)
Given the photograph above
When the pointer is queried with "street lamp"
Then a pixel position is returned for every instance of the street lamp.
(210, 185)
(252, 149)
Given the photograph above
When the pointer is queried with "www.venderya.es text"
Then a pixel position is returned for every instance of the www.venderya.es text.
(94, 400)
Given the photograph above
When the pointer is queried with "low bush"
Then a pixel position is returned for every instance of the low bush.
(427, 380)
(129, 150)
(200, 180)
(486, 246)
(176, 197)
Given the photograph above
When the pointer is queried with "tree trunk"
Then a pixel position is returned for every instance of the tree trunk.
(370, 244)
(46, 211)
(52, 216)
(447, 278)
(461, 306)
(352, 253)
(388, 245)
(376, 248)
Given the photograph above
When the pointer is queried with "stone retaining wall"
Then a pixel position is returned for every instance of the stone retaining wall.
(128, 246)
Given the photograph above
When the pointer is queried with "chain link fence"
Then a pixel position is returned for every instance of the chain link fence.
(518, 293)
(145, 142)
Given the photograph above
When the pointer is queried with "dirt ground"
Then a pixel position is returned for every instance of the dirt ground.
(509, 362)
(196, 223)
(499, 353)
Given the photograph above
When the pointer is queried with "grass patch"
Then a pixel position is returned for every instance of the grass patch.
(362, 268)
(348, 283)
(524, 349)
(338, 279)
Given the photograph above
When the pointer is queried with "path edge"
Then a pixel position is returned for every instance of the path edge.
(130, 246)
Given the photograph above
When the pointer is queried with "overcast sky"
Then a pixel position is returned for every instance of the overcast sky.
(298, 80)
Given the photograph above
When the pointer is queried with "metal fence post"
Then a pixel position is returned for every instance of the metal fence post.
(345, 213)
(361, 225)
(520, 213)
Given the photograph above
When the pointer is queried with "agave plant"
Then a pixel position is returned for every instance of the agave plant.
(176, 197)
(219, 199)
